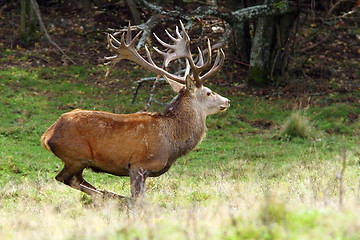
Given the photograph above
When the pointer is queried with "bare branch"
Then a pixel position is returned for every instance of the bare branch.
(225, 14)
(42, 26)
(146, 28)
(324, 39)
(264, 10)
(150, 99)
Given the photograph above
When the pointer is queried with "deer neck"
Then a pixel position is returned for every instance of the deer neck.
(186, 127)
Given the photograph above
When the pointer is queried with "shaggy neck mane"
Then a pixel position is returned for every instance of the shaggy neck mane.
(187, 122)
(175, 105)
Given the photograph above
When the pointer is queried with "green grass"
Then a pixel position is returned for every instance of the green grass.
(242, 182)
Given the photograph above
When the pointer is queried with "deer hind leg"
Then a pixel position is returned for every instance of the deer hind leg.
(72, 176)
(87, 186)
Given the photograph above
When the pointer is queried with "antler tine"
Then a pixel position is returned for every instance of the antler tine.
(200, 66)
(115, 58)
(163, 43)
(125, 49)
(133, 41)
(128, 34)
(200, 63)
(209, 56)
(180, 48)
(111, 67)
(201, 58)
(187, 69)
(177, 32)
(168, 57)
(219, 61)
(149, 56)
(111, 39)
(112, 59)
(159, 51)
(129, 41)
(185, 35)
(170, 36)
(122, 40)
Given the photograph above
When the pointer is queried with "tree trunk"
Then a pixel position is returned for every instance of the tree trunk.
(270, 50)
(240, 45)
(281, 52)
(27, 22)
(134, 11)
(178, 3)
(86, 5)
(261, 51)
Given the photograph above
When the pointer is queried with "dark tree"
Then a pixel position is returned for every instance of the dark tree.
(27, 22)
(260, 37)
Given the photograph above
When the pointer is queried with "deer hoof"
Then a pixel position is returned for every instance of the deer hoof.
(109, 194)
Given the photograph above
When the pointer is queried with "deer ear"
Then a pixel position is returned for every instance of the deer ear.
(174, 84)
(190, 84)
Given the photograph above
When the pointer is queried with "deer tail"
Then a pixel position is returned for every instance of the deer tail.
(45, 138)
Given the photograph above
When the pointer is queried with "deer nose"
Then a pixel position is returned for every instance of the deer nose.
(228, 101)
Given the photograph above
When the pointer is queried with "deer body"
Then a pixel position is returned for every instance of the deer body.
(114, 143)
(138, 145)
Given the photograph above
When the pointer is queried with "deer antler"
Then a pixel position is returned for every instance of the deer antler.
(125, 49)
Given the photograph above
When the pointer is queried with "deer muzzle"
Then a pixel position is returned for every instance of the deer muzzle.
(225, 106)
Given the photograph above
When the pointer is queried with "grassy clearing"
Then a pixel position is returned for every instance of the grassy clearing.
(244, 181)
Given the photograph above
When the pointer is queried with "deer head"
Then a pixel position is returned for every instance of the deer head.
(193, 77)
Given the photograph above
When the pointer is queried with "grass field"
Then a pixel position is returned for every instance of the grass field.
(247, 180)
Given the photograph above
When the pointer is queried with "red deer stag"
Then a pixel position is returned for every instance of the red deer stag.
(138, 145)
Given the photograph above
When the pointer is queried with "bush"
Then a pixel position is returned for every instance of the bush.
(298, 126)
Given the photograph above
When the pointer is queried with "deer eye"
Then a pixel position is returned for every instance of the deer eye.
(209, 93)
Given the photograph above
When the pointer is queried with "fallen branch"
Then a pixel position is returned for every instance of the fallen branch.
(315, 44)
(150, 99)
(335, 6)
(145, 27)
(140, 82)
(230, 17)
(42, 27)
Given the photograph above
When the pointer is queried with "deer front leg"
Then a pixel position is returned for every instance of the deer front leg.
(137, 180)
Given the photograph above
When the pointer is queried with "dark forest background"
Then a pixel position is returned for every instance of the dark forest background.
(291, 46)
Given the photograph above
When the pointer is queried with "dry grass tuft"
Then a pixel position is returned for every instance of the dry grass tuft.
(298, 126)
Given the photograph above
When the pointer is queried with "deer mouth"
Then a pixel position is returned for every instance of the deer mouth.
(224, 108)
